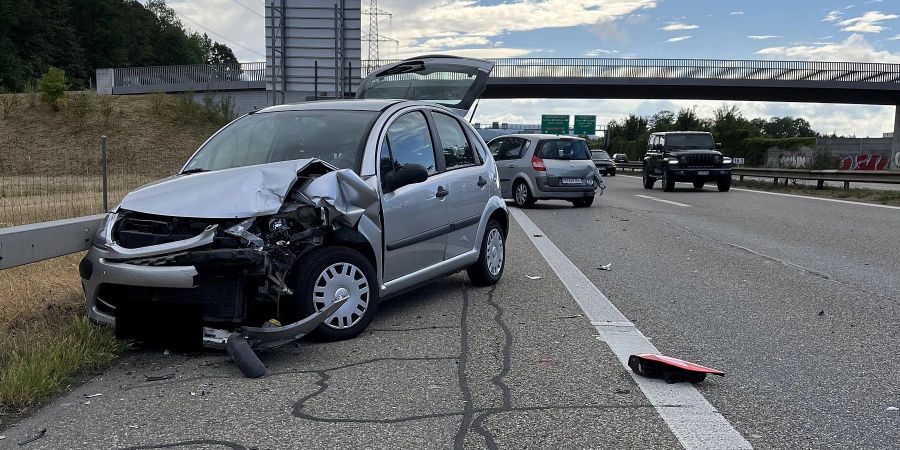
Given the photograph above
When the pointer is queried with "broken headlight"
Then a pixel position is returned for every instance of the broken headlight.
(242, 230)
(102, 238)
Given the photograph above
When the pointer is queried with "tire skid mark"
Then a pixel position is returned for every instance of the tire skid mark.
(459, 440)
(497, 379)
(231, 445)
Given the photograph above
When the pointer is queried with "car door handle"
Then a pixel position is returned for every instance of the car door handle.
(481, 182)
(442, 192)
(511, 166)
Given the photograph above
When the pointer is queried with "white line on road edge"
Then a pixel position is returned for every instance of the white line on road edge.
(661, 200)
(693, 420)
(816, 198)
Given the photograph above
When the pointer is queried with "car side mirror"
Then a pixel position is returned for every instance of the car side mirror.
(406, 175)
(718, 145)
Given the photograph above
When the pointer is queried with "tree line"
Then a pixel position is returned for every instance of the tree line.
(79, 36)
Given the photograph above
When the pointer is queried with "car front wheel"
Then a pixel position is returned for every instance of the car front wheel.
(325, 275)
(492, 259)
(668, 181)
(648, 180)
(724, 184)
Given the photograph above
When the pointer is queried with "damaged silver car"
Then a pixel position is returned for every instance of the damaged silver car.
(298, 219)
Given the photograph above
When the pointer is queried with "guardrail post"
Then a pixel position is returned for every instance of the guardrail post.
(104, 172)
(820, 184)
(846, 185)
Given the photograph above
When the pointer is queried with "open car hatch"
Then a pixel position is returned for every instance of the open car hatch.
(449, 81)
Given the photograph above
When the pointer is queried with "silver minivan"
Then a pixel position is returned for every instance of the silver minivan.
(544, 166)
(300, 218)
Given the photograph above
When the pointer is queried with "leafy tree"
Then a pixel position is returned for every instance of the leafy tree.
(53, 86)
(662, 121)
(687, 120)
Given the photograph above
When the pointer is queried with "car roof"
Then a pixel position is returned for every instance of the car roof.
(681, 132)
(538, 136)
(344, 105)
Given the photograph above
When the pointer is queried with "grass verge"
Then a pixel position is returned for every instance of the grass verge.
(46, 343)
(878, 196)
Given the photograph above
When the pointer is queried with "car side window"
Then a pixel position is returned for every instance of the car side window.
(495, 146)
(408, 142)
(456, 148)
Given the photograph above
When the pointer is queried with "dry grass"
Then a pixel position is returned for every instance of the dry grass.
(28, 292)
(879, 196)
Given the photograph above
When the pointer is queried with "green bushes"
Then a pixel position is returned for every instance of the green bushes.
(216, 109)
(80, 106)
(52, 87)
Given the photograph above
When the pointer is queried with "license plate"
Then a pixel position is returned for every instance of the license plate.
(571, 181)
(703, 172)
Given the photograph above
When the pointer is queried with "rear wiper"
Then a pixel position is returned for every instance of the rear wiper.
(195, 170)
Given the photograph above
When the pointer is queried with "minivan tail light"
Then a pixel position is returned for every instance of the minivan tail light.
(538, 164)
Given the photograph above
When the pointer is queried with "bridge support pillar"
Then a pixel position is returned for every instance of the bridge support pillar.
(895, 143)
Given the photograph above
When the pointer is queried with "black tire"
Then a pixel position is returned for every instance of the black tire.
(583, 202)
(668, 181)
(612, 173)
(699, 184)
(724, 184)
(529, 199)
(244, 357)
(480, 272)
(302, 303)
(648, 180)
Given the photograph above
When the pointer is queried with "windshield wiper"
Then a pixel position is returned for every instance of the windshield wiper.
(195, 170)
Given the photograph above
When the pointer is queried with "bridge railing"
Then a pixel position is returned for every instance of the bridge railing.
(686, 69)
(195, 77)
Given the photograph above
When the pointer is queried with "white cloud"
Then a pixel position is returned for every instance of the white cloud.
(895, 38)
(678, 39)
(676, 26)
(736, 13)
(854, 48)
(598, 52)
(757, 37)
(832, 16)
(869, 22)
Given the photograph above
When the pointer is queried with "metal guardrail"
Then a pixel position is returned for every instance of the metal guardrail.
(720, 69)
(820, 176)
(26, 244)
(197, 77)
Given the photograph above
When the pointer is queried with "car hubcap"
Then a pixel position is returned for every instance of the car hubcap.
(342, 280)
(521, 193)
(494, 251)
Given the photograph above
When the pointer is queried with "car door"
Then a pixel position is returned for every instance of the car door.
(506, 168)
(467, 179)
(415, 223)
(449, 81)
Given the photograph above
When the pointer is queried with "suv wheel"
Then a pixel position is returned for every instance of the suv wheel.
(328, 273)
(491, 261)
(668, 181)
(522, 195)
(583, 202)
(648, 180)
(699, 184)
(724, 184)
(612, 172)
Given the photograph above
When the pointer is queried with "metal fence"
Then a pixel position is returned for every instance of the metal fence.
(686, 69)
(70, 182)
(189, 77)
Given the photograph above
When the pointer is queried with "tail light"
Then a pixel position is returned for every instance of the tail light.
(538, 164)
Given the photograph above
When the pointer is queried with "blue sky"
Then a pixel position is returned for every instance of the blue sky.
(863, 30)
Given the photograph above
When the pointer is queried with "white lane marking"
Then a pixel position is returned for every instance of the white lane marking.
(801, 196)
(816, 198)
(661, 200)
(692, 419)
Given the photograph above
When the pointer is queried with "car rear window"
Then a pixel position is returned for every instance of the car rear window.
(599, 154)
(566, 149)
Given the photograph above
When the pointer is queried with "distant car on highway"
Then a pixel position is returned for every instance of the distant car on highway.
(603, 162)
(545, 166)
(685, 156)
(620, 158)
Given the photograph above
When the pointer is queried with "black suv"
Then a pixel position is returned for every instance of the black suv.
(686, 156)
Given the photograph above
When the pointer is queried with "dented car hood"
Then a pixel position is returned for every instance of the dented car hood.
(252, 191)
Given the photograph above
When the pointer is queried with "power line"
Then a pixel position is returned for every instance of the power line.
(221, 35)
(247, 8)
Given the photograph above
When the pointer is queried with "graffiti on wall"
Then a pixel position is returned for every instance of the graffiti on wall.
(864, 161)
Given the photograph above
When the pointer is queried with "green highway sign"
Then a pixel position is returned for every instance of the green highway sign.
(585, 125)
(554, 124)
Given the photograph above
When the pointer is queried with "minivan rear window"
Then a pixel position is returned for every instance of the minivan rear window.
(566, 149)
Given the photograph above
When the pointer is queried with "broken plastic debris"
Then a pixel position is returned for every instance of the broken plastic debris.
(605, 266)
(159, 377)
(166, 352)
(32, 439)
(93, 395)
(539, 235)
(891, 408)
(622, 391)
(822, 312)
(533, 278)
(672, 370)
(87, 402)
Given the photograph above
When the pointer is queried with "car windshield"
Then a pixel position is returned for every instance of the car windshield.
(689, 141)
(334, 136)
(567, 149)
(599, 154)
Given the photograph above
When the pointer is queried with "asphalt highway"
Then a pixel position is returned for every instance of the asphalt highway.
(796, 299)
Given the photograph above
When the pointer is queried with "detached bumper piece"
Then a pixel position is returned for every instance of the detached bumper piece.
(672, 370)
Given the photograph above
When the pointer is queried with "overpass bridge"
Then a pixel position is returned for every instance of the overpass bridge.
(700, 79)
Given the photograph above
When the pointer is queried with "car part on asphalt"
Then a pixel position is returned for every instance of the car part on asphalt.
(672, 370)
